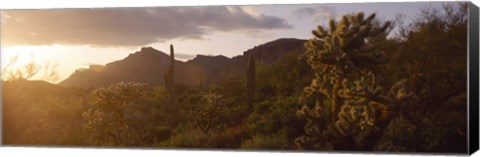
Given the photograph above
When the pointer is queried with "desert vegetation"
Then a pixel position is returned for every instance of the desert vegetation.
(354, 86)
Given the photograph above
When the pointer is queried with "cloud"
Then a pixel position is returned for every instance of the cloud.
(257, 34)
(316, 14)
(252, 10)
(183, 56)
(128, 26)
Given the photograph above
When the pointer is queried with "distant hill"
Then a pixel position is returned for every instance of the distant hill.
(34, 89)
(149, 66)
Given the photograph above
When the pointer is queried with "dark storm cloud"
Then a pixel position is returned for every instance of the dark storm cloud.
(316, 13)
(126, 26)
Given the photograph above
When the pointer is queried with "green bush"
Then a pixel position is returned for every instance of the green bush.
(278, 140)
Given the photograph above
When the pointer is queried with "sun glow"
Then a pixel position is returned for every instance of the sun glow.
(68, 58)
(17, 58)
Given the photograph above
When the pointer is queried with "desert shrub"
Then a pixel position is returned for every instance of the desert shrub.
(278, 140)
(118, 115)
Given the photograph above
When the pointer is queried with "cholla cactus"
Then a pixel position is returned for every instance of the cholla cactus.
(344, 52)
(117, 116)
(356, 121)
(207, 114)
(345, 45)
(349, 104)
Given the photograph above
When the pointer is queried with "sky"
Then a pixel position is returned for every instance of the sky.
(77, 38)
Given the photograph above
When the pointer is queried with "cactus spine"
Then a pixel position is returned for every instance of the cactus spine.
(250, 79)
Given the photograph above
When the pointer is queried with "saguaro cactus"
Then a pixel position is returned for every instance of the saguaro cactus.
(170, 75)
(250, 79)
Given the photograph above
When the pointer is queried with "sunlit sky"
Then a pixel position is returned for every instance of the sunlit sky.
(77, 38)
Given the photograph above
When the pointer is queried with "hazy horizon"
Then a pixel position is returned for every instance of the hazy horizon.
(77, 38)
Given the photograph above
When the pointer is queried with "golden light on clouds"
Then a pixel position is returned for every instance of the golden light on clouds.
(78, 38)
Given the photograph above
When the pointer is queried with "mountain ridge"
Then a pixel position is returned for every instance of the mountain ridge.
(148, 65)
